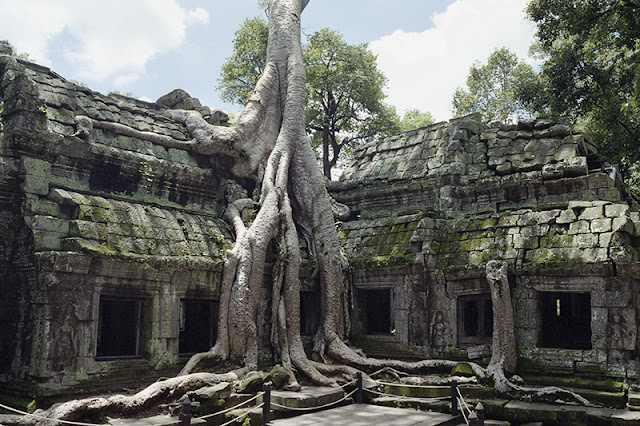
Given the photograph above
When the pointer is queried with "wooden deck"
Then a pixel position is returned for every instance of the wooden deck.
(367, 414)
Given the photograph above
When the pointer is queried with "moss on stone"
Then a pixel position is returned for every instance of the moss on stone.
(462, 369)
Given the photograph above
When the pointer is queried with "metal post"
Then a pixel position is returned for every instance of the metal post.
(454, 397)
(359, 395)
(266, 408)
(473, 419)
(480, 412)
(185, 412)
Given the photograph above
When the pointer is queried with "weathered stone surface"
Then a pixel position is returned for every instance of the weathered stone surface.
(530, 201)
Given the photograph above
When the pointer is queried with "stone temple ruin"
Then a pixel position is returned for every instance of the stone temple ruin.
(111, 246)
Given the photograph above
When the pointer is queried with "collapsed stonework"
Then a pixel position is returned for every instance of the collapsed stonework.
(113, 242)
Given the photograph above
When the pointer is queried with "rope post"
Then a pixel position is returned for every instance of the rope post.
(185, 412)
(473, 419)
(480, 412)
(359, 397)
(266, 408)
(454, 397)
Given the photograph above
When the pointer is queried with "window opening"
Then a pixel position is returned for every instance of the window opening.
(566, 320)
(475, 319)
(197, 326)
(378, 311)
(118, 328)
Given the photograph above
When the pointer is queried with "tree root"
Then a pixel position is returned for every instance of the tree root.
(126, 404)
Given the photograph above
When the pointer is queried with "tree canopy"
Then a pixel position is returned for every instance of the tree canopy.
(592, 68)
(493, 89)
(243, 68)
(345, 97)
(414, 119)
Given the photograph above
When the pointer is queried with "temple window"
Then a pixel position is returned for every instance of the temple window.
(119, 328)
(475, 319)
(565, 320)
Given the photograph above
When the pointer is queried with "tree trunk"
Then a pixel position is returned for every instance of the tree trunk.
(503, 352)
(325, 152)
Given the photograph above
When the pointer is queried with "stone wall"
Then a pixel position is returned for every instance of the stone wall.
(109, 216)
(436, 204)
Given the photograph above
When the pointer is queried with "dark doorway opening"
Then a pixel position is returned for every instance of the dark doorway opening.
(118, 328)
(198, 326)
(309, 312)
(475, 319)
(378, 311)
(566, 320)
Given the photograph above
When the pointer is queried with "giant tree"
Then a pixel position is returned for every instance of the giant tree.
(592, 68)
(493, 88)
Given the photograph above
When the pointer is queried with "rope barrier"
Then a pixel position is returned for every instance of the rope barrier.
(242, 416)
(231, 408)
(68, 422)
(461, 399)
(463, 405)
(319, 407)
(406, 384)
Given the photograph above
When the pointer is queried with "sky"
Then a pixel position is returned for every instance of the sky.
(149, 47)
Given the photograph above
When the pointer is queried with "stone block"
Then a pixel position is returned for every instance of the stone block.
(623, 224)
(566, 216)
(594, 255)
(616, 210)
(522, 242)
(552, 171)
(565, 152)
(599, 180)
(45, 241)
(586, 240)
(36, 184)
(534, 231)
(478, 352)
(40, 206)
(601, 225)
(605, 239)
(50, 224)
(576, 166)
(590, 213)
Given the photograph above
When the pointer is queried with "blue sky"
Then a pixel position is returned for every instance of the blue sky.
(150, 47)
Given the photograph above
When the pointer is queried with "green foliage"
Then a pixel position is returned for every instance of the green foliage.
(79, 83)
(415, 119)
(494, 89)
(345, 96)
(592, 69)
(119, 93)
(6, 46)
(243, 68)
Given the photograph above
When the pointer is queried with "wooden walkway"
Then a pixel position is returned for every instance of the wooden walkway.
(367, 414)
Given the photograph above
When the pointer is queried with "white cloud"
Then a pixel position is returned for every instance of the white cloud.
(425, 68)
(103, 40)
